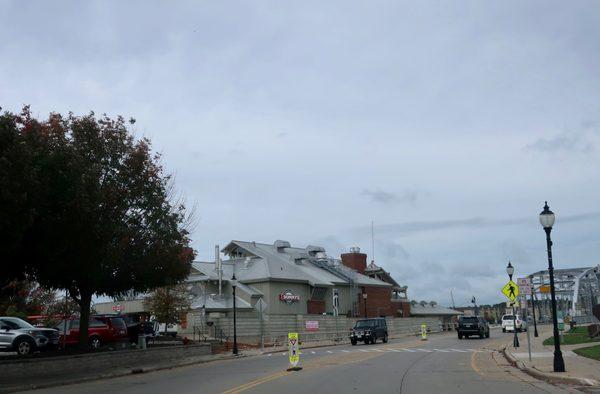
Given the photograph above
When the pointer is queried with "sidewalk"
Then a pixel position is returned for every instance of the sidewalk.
(579, 370)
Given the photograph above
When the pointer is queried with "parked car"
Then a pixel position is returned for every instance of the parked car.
(102, 329)
(19, 336)
(509, 322)
(473, 325)
(369, 330)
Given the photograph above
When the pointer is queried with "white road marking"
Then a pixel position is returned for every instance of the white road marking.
(458, 350)
(284, 353)
(329, 351)
(362, 350)
(424, 350)
(269, 355)
(345, 351)
(314, 352)
(393, 350)
(441, 350)
(408, 350)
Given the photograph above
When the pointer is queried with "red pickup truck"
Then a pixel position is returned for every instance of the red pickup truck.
(102, 329)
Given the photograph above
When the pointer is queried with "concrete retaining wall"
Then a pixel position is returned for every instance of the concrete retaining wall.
(33, 369)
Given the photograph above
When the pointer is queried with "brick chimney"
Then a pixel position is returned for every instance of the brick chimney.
(355, 260)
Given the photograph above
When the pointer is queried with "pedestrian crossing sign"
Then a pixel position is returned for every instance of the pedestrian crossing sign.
(294, 348)
(511, 290)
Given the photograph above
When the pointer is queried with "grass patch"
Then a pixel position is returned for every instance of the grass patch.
(589, 352)
(573, 337)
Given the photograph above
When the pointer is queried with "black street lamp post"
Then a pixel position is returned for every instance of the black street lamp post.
(510, 270)
(233, 286)
(365, 302)
(535, 331)
(547, 221)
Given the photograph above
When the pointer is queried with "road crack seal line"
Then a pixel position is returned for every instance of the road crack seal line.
(409, 368)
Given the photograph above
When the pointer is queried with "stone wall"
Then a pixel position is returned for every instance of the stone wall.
(36, 369)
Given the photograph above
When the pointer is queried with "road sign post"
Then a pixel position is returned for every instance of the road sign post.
(294, 351)
(423, 332)
(511, 291)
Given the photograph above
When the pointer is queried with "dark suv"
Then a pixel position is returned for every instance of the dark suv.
(369, 330)
(473, 325)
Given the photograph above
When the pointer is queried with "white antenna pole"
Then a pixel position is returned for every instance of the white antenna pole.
(452, 297)
(372, 243)
(219, 269)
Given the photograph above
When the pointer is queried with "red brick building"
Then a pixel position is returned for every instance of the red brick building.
(379, 301)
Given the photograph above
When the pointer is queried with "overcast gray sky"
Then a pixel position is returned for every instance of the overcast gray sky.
(447, 123)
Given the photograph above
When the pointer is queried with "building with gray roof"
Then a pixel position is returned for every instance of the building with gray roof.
(278, 279)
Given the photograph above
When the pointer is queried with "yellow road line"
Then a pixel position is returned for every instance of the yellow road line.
(256, 382)
(322, 362)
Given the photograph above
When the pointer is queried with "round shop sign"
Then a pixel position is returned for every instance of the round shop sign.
(288, 296)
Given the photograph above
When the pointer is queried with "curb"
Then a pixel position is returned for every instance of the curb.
(122, 373)
(546, 376)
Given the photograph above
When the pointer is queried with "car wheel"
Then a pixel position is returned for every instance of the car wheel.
(24, 346)
(503, 329)
(460, 336)
(95, 342)
(353, 342)
(481, 335)
(487, 335)
(385, 338)
(374, 339)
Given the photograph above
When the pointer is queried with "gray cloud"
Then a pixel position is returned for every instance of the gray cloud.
(380, 196)
(582, 140)
(565, 142)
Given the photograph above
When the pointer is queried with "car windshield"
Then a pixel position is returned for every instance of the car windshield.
(365, 324)
(15, 323)
(507, 317)
(468, 319)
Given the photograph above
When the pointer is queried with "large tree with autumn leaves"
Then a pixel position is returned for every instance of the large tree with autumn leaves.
(88, 208)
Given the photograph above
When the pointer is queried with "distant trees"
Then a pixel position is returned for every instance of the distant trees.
(87, 207)
(169, 304)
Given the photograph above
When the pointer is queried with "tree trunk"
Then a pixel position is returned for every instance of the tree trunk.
(84, 320)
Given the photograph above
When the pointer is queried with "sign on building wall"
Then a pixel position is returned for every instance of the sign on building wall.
(312, 325)
(288, 296)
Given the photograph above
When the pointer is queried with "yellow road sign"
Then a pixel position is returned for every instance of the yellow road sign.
(294, 348)
(511, 290)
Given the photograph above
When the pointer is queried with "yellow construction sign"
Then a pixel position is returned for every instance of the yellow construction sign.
(294, 348)
(511, 290)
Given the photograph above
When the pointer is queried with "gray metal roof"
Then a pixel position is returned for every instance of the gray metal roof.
(260, 262)
(217, 304)
(428, 310)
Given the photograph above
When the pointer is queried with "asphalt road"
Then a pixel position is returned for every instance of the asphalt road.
(442, 364)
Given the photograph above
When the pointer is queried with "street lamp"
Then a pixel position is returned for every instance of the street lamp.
(510, 270)
(234, 283)
(365, 302)
(535, 331)
(547, 221)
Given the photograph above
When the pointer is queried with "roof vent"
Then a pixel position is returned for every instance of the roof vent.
(433, 303)
(354, 249)
(321, 255)
(423, 303)
(280, 245)
(313, 250)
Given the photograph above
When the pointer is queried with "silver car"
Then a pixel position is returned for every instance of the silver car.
(17, 335)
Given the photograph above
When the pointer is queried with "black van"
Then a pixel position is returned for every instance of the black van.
(369, 330)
